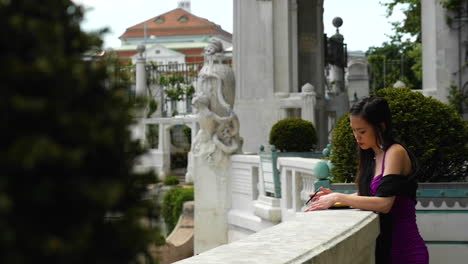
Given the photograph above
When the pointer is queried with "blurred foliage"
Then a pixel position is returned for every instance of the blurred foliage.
(453, 7)
(173, 201)
(293, 135)
(173, 86)
(171, 180)
(68, 192)
(457, 99)
(152, 136)
(432, 130)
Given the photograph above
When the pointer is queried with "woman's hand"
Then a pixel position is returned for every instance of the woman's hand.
(323, 191)
(323, 202)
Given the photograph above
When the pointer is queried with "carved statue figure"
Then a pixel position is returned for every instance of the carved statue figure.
(218, 136)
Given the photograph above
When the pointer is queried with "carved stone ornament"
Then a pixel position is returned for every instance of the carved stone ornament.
(218, 136)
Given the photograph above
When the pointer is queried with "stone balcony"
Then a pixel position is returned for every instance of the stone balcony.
(263, 227)
(333, 236)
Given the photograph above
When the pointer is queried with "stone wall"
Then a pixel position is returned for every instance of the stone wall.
(333, 236)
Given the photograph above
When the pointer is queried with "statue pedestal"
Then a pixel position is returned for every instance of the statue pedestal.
(212, 203)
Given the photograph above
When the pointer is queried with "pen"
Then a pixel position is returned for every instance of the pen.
(312, 196)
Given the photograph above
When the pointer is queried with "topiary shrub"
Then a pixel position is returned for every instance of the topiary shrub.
(173, 201)
(293, 135)
(171, 180)
(434, 131)
(343, 151)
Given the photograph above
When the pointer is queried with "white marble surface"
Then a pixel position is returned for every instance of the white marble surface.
(331, 236)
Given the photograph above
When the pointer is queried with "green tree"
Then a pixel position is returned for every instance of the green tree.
(68, 191)
(411, 24)
(399, 59)
(395, 61)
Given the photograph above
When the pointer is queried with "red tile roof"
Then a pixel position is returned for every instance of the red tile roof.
(171, 26)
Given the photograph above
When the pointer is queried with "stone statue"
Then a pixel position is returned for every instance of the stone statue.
(218, 136)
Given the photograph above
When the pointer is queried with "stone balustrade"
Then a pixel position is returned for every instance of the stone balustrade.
(252, 208)
(267, 229)
(246, 188)
(297, 182)
(332, 236)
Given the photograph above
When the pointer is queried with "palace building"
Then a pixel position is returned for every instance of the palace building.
(175, 37)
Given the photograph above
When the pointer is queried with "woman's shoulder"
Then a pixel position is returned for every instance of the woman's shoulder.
(397, 160)
(397, 149)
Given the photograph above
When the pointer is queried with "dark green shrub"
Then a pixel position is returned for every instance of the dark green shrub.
(152, 135)
(188, 134)
(434, 131)
(178, 160)
(173, 201)
(171, 180)
(69, 192)
(293, 135)
(343, 151)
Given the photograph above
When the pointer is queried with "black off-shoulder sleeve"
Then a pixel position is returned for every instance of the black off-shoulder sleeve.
(397, 185)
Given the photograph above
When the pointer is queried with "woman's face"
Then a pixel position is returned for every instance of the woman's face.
(363, 132)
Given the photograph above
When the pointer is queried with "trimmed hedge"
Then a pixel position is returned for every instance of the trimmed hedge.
(173, 201)
(434, 131)
(171, 180)
(343, 151)
(293, 135)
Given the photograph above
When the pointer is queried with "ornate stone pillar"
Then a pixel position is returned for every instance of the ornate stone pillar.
(217, 139)
(309, 101)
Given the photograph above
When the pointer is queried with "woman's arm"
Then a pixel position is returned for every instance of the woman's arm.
(324, 191)
(397, 162)
(376, 204)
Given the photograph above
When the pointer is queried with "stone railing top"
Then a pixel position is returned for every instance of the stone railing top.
(295, 241)
(246, 158)
(172, 120)
(307, 164)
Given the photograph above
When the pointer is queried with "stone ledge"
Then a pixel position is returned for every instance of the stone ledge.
(331, 236)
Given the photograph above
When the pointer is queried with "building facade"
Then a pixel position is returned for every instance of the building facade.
(177, 36)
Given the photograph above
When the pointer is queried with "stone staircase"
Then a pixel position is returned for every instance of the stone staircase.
(180, 174)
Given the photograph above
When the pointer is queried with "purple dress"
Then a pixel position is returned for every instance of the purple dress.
(407, 245)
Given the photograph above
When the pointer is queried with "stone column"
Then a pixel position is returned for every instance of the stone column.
(444, 49)
(138, 129)
(141, 72)
(282, 41)
(294, 51)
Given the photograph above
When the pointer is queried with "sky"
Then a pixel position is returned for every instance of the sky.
(364, 21)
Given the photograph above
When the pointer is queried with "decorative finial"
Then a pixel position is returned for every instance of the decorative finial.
(337, 22)
(141, 49)
(399, 84)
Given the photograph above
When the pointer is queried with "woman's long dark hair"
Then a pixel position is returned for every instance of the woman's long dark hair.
(376, 112)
